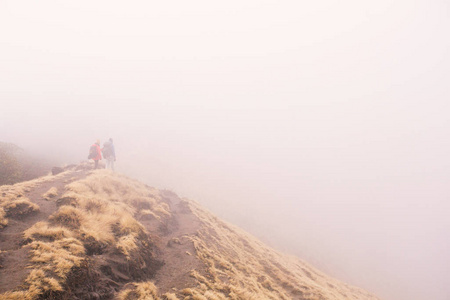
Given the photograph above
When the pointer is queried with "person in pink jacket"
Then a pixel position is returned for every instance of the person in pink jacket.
(95, 153)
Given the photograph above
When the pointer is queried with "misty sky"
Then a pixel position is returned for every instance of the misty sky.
(322, 127)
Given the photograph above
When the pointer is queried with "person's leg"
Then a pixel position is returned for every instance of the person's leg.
(112, 164)
(96, 164)
(107, 163)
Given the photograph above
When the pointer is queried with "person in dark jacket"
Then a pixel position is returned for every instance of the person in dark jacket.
(109, 153)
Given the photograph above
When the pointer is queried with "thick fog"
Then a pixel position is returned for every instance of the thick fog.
(322, 127)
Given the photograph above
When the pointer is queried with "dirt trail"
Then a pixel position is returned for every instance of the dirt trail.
(14, 258)
(177, 250)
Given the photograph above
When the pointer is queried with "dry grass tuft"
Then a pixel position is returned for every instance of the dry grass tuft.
(43, 231)
(52, 262)
(126, 194)
(203, 293)
(18, 207)
(17, 295)
(110, 201)
(58, 256)
(14, 204)
(39, 283)
(93, 205)
(91, 225)
(169, 296)
(129, 225)
(3, 219)
(126, 244)
(51, 193)
(68, 216)
(140, 291)
(36, 283)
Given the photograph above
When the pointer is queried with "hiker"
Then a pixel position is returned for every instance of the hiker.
(95, 153)
(109, 154)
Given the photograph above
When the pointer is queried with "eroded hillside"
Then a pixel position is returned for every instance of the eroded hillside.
(86, 234)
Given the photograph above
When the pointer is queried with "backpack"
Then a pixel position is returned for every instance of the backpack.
(92, 152)
(106, 151)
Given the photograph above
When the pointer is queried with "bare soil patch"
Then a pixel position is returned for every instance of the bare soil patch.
(176, 249)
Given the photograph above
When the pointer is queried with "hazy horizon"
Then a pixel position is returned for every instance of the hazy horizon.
(321, 128)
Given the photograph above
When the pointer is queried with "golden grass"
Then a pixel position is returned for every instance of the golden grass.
(25, 202)
(93, 222)
(16, 207)
(68, 216)
(13, 202)
(143, 291)
(203, 293)
(100, 209)
(3, 219)
(58, 256)
(27, 186)
(128, 225)
(169, 296)
(43, 231)
(104, 208)
(241, 267)
(140, 291)
(38, 283)
(125, 193)
(17, 295)
(111, 201)
(51, 262)
(51, 193)
(126, 244)
(92, 205)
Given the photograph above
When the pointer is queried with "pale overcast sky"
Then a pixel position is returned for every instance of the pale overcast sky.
(322, 127)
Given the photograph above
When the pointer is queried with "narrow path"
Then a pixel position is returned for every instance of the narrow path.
(13, 256)
(177, 250)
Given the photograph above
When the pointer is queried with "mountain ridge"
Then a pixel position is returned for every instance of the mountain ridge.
(85, 234)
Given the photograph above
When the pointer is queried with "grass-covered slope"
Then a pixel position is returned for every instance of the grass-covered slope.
(100, 235)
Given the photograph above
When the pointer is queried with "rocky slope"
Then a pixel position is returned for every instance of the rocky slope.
(86, 234)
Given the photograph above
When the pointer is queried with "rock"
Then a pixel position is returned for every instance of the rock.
(66, 201)
(173, 241)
